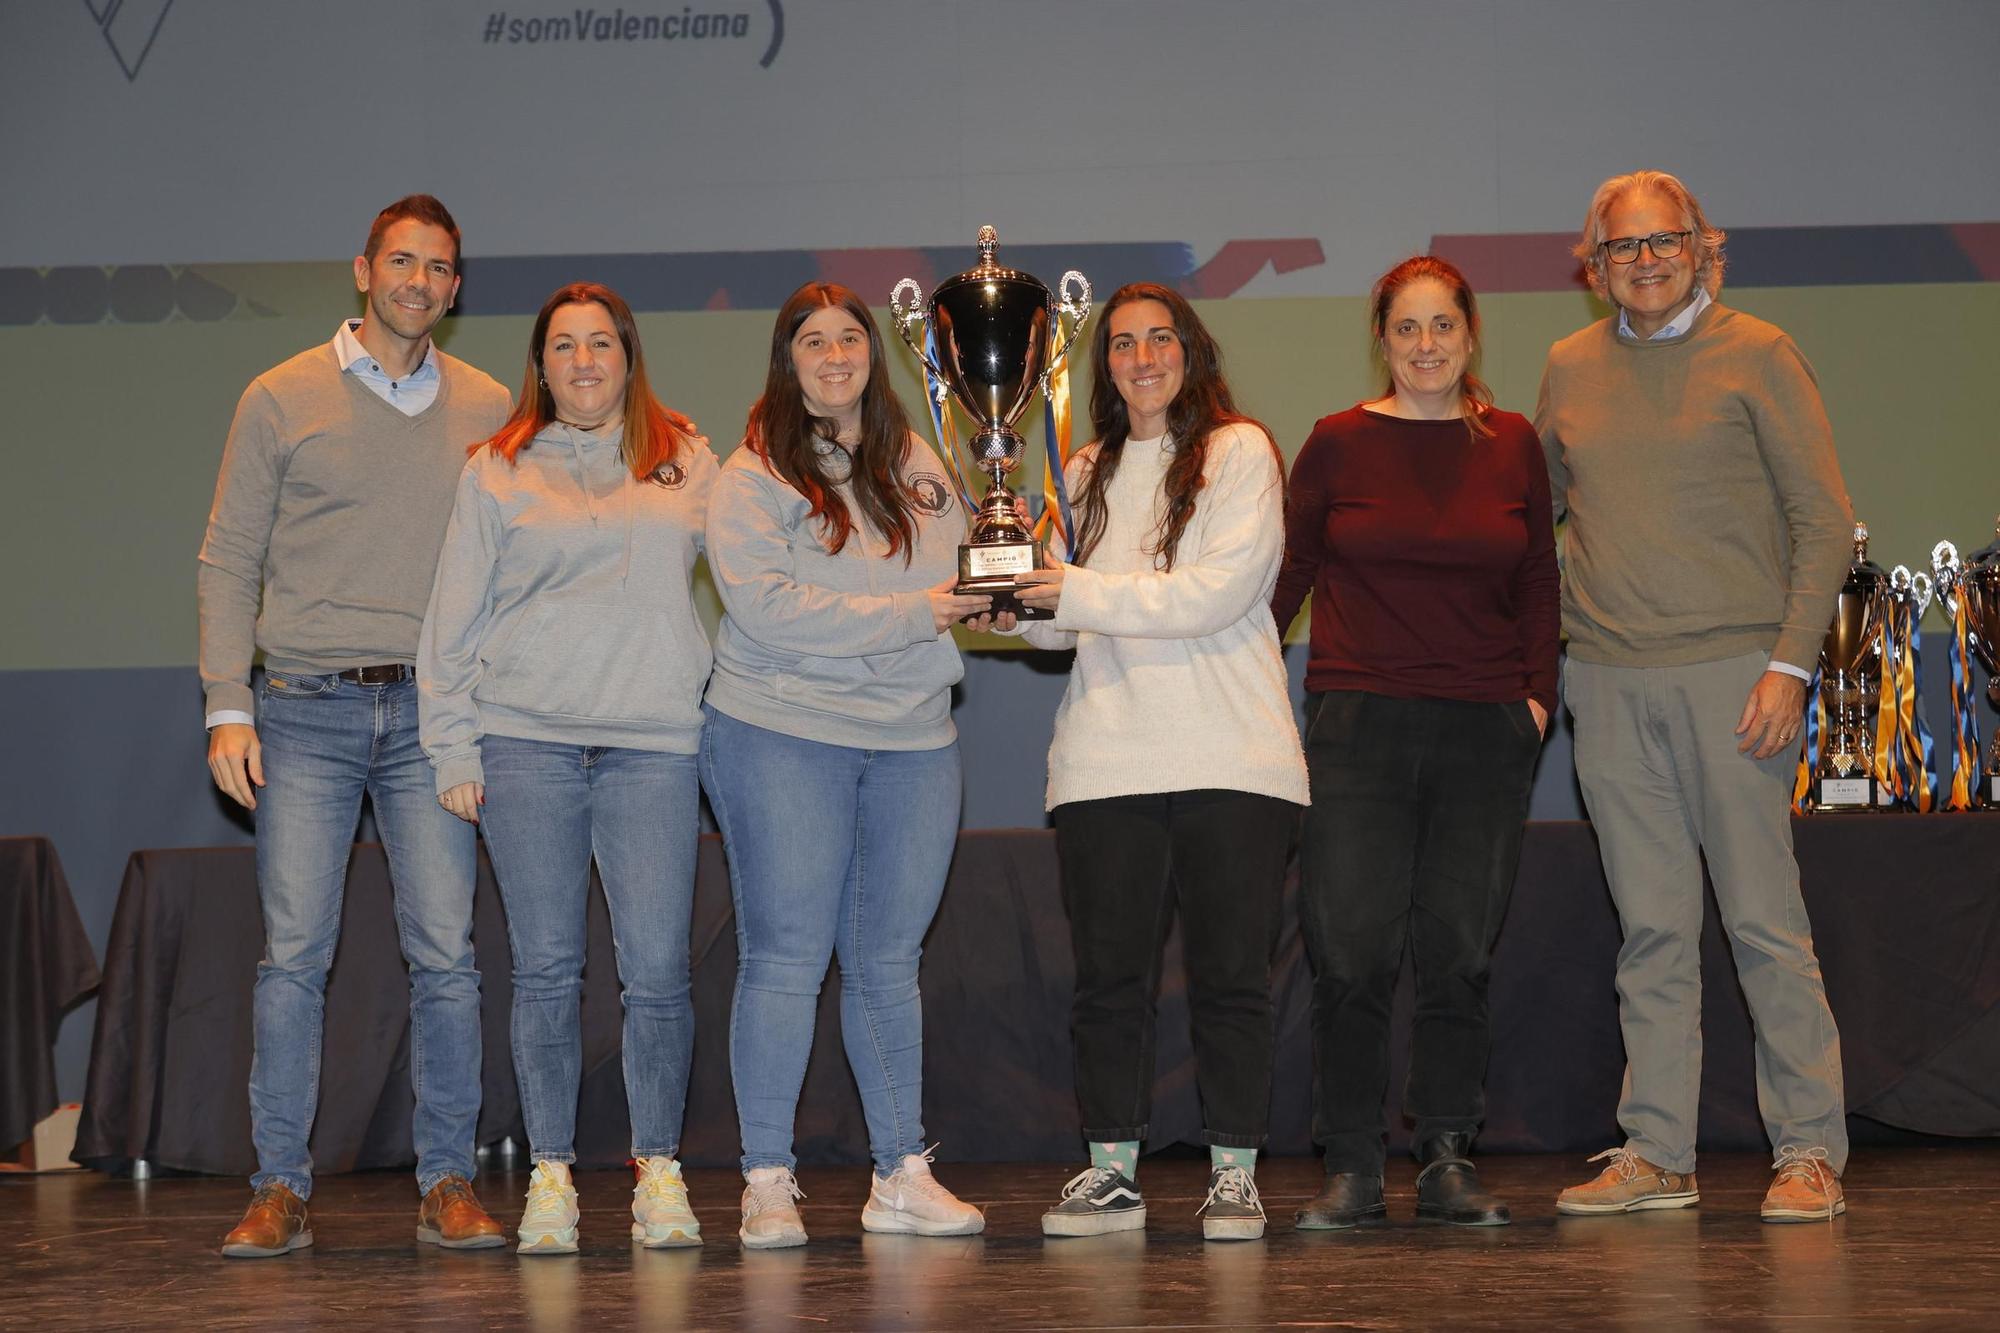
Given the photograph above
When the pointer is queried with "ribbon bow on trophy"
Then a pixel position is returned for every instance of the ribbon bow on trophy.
(991, 342)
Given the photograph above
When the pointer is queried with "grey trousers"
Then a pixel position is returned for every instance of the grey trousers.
(1665, 785)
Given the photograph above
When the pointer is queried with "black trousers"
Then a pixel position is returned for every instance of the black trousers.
(1412, 840)
(1127, 863)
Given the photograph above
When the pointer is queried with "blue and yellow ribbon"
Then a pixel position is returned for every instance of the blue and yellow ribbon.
(943, 428)
(1964, 709)
(1815, 723)
(1055, 517)
(1914, 732)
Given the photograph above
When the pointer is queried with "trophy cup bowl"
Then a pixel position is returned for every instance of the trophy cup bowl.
(990, 328)
(1857, 617)
(1850, 652)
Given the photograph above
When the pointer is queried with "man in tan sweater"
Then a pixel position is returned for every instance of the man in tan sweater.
(1708, 536)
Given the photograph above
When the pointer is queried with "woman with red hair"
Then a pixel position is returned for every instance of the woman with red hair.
(560, 674)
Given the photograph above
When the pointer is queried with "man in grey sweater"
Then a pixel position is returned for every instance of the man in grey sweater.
(1708, 529)
(336, 484)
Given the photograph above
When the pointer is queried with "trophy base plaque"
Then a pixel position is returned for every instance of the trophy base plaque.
(1002, 548)
(988, 569)
(1855, 793)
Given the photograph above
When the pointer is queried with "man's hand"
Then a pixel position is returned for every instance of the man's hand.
(1771, 714)
(1541, 716)
(236, 762)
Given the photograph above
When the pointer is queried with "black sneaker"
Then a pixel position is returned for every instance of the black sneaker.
(1232, 1210)
(1098, 1201)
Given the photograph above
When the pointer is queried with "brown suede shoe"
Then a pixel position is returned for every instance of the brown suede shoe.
(1628, 1184)
(451, 1216)
(1805, 1189)
(276, 1223)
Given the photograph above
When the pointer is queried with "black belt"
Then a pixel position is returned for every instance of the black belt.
(393, 674)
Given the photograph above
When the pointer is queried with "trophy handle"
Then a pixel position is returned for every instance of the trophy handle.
(908, 315)
(1921, 590)
(1944, 566)
(1077, 306)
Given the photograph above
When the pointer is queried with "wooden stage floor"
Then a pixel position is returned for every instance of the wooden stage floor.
(1920, 1247)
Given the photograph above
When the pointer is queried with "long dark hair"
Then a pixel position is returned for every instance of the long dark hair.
(654, 433)
(1203, 404)
(781, 429)
(1475, 399)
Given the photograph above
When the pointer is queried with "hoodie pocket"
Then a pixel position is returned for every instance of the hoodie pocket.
(600, 662)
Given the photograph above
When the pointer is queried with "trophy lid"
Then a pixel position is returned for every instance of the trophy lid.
(1861, 571)
(989, 269)
(1988, 558)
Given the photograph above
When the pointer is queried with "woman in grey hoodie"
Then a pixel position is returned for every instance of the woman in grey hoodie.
(829, 755)
(560, 674)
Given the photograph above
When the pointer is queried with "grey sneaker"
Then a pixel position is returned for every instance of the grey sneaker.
(1232, 1210)
(1096, 1201)
(770, 1219)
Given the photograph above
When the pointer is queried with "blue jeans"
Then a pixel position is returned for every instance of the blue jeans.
(549, 809)
(326, 741)
(832, 850)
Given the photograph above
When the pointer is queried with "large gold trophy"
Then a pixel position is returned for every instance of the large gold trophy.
(990, 329)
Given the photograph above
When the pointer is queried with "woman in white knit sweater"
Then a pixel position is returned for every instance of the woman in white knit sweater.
(1176, 775)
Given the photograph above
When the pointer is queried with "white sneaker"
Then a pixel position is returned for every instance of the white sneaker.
(548, 1226)
(661, 1215)
(911, 1202)
(770, 1220)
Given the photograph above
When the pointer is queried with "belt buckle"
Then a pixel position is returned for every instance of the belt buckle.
(391, 674)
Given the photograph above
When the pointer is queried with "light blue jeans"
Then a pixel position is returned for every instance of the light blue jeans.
(832, 850)
(326, 742)
(549, 809)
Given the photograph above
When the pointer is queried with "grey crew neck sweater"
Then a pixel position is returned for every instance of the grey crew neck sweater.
(1707, 516)
(836, 647)
(561, 611)
(328, 514)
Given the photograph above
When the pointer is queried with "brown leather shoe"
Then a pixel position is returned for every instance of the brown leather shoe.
(1805, 1188)
(1629, 1184)
(276, 1223)
(451, 1216)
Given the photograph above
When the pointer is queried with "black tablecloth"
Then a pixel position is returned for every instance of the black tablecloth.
(1906, 912)
(46, 967)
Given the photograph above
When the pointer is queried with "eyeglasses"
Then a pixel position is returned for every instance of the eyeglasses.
(1663, 244)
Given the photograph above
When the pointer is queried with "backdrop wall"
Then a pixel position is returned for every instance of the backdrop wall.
(185, 184)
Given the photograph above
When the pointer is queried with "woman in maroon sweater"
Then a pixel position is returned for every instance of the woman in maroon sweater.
(1420, 523)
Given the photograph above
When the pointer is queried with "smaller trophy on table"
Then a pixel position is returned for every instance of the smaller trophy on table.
(1850, 664)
